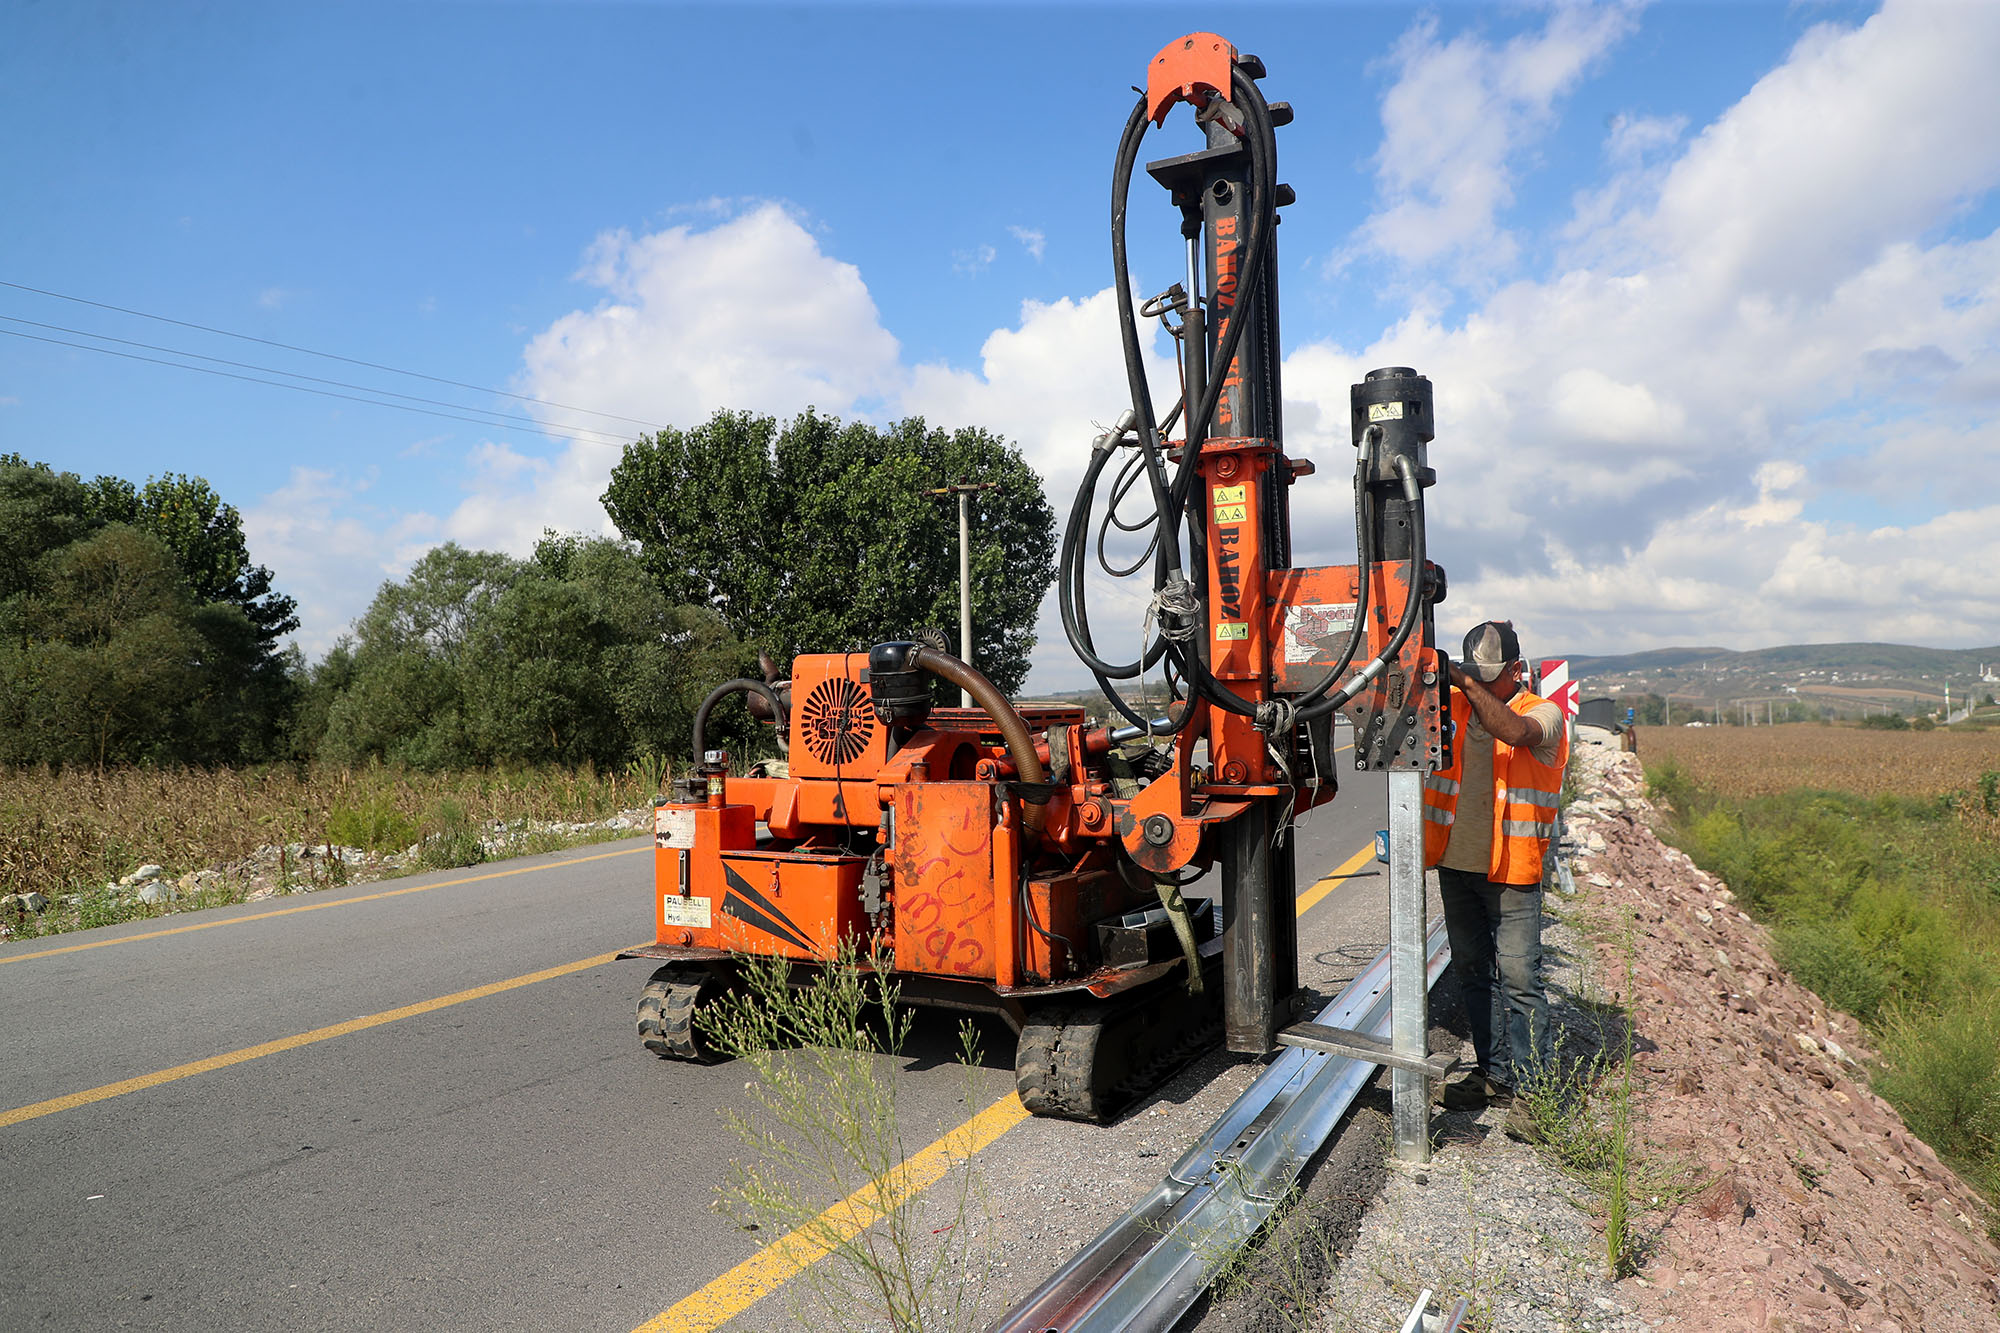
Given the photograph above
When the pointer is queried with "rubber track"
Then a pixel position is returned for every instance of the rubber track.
(666, 1014)
(1090, 1061)
(1057, 1060)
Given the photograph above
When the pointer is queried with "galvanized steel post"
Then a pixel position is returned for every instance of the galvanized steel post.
(1410, 1018)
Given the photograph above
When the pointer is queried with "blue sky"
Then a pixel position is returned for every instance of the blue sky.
(1709, 292)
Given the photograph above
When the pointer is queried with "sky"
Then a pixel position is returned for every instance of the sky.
(1709, 293)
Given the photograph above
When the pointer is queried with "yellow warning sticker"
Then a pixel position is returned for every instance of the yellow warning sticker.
(1232, 629)
(1385, 411)
(1229, 495)
(1229, 514)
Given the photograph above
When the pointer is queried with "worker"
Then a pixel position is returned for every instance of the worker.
(1488, 820)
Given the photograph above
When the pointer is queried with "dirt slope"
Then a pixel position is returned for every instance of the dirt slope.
(1824, 1212)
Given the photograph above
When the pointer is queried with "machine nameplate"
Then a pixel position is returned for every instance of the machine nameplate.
(673, 828)
(1316, 630)
(688, 913)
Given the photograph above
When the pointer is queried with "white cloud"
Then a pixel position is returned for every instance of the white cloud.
(976, 260)
(1459, 115)
(1051, 384)
(333, 544)
(747, 313)
(1746, 336)
(1755, 399)
(273, 298)
(1032, 240)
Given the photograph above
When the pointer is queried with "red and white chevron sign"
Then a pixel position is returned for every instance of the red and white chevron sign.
(1557, 687)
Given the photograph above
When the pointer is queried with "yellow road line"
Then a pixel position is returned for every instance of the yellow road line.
(1331, 881)
(785, 1258)
(214, 1062)
(317, 907)
(782, 1260)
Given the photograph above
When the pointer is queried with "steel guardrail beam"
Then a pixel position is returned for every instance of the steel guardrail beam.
(1145, 1270)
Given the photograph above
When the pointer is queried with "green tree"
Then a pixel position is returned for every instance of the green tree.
(102, 665)
(818, 536)
(232, 690)
(573, 656)
(206, 535)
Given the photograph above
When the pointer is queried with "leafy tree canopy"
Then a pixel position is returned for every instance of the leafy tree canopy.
(818, 535)
(572, 656)
(133, 626)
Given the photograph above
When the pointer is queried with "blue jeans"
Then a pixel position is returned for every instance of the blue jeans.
(1498, 927)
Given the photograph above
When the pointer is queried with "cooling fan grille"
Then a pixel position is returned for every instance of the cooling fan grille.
(838, 721)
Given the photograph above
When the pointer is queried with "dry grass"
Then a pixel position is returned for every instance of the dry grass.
(77, 829)
(1739, 762)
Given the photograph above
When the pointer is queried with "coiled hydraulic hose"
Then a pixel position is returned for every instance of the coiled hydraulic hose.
(1412, 610)
(1170, 497)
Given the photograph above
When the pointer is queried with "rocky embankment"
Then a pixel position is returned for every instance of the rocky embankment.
(1822, 1211)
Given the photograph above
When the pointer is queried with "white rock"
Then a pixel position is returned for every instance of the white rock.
(143, 875)
(1807, 1043)
(155, 891)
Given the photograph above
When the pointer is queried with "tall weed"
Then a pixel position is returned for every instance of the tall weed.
(825, 1125)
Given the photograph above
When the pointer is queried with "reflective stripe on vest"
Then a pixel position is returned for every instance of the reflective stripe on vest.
(1526, 797)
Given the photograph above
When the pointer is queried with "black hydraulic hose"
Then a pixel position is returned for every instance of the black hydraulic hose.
(1127, 474)
(741, 685)
(1170, 499)
(1412, 608)
(1128, 329)
(1363, 527)
(1069, 583)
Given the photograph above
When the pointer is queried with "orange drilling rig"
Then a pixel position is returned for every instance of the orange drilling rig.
(1021, 860)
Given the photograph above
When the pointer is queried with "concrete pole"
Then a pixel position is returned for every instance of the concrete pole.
(964, 582)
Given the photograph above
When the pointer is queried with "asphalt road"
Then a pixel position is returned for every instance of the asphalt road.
(222, 1121)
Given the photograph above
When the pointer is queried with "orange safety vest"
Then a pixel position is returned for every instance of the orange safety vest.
(1526, 794)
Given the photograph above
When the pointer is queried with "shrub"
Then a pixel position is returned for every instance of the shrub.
(375, 824)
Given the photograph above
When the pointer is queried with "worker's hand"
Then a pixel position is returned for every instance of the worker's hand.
(1458, 676)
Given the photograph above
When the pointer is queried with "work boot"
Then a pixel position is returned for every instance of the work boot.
(1469, 1092)
(1522, 1125)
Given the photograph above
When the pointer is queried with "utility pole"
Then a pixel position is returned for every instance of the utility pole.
(961, 490)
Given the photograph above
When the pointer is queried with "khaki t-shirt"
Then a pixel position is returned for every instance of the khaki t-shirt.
(1471, 845)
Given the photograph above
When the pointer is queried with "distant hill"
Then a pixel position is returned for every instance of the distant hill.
(1893, 657)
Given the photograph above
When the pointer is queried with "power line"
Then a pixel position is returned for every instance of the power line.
(609, 437)
(331, 356)
(298, 388)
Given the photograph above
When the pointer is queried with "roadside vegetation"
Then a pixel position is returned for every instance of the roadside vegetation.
(906, 1241)
(1874, 857)
(151, 714)
(70, 834)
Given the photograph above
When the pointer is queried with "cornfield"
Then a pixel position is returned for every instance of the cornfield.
(76, 828)
(1740, 762)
